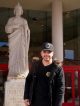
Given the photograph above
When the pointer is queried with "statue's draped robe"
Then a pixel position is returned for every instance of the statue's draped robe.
(18, 47)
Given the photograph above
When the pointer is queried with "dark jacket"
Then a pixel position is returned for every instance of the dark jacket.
(56, 84)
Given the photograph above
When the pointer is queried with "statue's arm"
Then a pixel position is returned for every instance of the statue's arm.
(27, 32)
(28, 39)
(10, 26)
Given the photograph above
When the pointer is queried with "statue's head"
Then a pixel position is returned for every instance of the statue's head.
(18, 10)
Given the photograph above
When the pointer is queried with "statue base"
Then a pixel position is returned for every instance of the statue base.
(14, 91)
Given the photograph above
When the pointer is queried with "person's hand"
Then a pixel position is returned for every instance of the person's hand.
(27, 102)
(58, 62)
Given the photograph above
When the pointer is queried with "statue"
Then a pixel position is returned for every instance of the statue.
(19, 39)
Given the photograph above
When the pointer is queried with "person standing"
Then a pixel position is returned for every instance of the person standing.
(44, 85)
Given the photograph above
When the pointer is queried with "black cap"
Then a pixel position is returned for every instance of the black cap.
(47, 46)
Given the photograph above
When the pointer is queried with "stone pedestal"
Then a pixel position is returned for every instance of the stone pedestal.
(14, 91)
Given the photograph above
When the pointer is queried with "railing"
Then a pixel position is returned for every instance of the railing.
(4, 67)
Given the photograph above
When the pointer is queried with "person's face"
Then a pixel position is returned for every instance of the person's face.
(46, 55)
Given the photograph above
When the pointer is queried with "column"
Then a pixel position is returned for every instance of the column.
(57, 29)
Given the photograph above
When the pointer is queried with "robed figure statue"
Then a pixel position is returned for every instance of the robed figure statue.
(19, 39)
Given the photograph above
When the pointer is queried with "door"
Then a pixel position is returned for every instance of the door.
(72, 86)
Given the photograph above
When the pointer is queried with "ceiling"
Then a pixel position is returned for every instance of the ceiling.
(37, 5)
(40, 4)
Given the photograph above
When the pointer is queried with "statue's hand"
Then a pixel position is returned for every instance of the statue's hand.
(15, 26)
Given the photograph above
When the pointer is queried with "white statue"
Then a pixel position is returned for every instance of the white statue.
(19, 39)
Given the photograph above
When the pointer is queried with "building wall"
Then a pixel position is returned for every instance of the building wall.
(41, 29)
